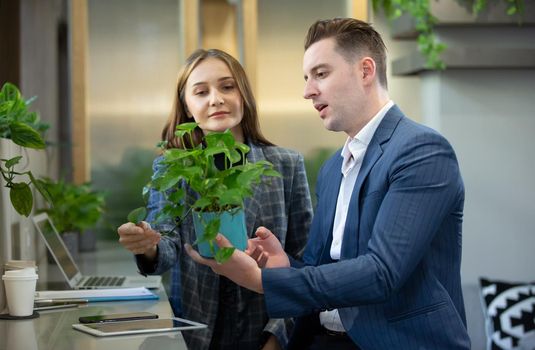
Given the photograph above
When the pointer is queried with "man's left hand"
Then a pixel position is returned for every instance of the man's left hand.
(239, 268)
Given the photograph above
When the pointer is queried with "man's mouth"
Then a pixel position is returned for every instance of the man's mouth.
(319, 107)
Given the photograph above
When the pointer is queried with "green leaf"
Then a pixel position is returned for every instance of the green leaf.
(213, 150)
(249, 175)
(13, 161)
(21, 198)
(212, 229)
(176, 196)
(137, 215)
(24, 135)
(189, 127)
(40, 185)
(231, 197)
(223, 254)
(271, 172)
(174, 154)
(164, 183)
(162, 144)
(234, 156)
(243, 147)
(202, 203)
(9, 92)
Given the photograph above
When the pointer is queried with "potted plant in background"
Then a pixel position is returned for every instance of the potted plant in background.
(21, 127)
(429, 44)
(73, 209)
(218, 194)
(25, 129)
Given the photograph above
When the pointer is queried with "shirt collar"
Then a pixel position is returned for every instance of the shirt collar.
(364, 136)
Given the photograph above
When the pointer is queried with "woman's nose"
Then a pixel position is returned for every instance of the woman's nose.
(216, 99)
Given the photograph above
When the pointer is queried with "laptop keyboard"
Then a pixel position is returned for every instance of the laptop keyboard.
(102, 281)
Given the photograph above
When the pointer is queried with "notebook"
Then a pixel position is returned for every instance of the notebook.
(70, 270)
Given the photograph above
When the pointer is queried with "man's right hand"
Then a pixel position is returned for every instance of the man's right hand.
(139, 239)
(267, 250)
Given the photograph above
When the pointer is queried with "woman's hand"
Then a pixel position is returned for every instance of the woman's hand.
(139, 239)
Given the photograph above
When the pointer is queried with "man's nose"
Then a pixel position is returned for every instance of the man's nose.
(310, 90)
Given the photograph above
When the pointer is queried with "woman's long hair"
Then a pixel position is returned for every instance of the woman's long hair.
(250, 124)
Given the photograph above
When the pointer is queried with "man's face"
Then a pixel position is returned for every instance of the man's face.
(335, 87)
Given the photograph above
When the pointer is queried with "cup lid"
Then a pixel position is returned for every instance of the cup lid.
(26, 273)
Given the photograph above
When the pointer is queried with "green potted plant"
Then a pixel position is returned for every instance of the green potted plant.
(218, 194)
(73, 209)
(25, 129)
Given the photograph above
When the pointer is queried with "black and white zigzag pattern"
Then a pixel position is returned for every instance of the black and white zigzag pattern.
(510, 312)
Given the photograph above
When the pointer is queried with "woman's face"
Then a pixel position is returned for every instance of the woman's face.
(213, 98)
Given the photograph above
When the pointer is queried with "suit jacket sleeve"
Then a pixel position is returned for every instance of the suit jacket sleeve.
(422, 184)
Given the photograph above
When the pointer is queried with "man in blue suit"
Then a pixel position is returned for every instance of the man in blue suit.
(382, 264)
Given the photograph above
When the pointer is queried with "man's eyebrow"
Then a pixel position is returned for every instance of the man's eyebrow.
(315, 69)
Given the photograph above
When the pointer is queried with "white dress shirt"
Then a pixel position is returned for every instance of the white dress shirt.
(353, 154)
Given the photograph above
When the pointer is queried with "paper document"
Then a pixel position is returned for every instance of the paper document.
(98, 294)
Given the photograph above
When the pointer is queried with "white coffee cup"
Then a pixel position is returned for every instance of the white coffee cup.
(20, 291)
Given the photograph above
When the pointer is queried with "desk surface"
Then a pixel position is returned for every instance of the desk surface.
(53, 329)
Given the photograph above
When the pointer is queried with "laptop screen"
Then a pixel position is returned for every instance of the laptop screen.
(55, 245)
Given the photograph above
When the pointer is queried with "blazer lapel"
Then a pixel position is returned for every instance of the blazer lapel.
(333, 179)
(252, 204)
(350, 247)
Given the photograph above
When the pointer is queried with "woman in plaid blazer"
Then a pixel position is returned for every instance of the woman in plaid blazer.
(214, 91)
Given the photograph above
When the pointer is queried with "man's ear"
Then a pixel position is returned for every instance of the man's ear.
(368, 69)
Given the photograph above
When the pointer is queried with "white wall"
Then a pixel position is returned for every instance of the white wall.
(488, 117)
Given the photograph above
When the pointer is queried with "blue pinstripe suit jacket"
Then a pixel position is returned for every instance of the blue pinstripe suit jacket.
(397, 284)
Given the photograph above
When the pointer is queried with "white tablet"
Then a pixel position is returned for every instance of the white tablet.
(138, 327)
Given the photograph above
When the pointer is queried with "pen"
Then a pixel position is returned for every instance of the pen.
(61, 301)
(54, 307)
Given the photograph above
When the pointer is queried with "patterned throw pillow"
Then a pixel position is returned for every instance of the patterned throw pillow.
(509, 310)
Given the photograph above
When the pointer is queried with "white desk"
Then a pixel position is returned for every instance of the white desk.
(53, 329)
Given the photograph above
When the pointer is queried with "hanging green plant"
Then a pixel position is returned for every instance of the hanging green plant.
(419, 10)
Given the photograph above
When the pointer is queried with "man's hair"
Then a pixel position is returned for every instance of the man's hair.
(354, 39)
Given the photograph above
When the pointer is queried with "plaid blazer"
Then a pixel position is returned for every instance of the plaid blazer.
(237, 317)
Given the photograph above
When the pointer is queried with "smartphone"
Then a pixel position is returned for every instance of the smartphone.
(117, 317)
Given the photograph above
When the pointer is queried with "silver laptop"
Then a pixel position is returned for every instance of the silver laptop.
(70, 270)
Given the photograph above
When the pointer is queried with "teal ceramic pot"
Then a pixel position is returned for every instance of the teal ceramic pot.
(232, 227)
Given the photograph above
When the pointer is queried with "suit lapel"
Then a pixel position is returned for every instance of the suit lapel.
(252, 204)
(333, 178)
(350, 248)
